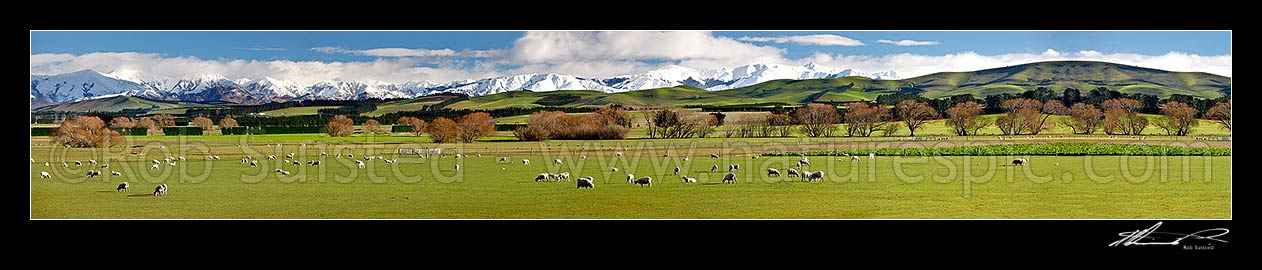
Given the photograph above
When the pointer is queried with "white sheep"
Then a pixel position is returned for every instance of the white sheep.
(854, 158)
(92, 161)
(613, 169)
(714, 168)
(525, 161)
(676, 170)
(114, 173)
(871, 156)
(542, 177)
(77, 163)
(160, 190)
(556, 161)
(360, 164)
(45, 164)
(714, 155)
(689, 179)
(154, 167)
(502, 159)
(1020, 161)
(644, 181)
(122, 187)
(45, 175)
(812, 176)
(630, 178)
(457, 167)
(617, 154)
(773, 171)
(793, 172)
(730, 177)
(586, 182)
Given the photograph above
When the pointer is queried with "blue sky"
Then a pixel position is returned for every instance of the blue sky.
(422, 56)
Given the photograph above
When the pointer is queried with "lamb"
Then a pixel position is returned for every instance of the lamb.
(121, 187)
(793, 172)
(773, 171)
(45, 175)
(689, 179)
(45, 164)
(644, 181)
(160, 190)
(676, 170)
(730, 177)
(63, 164)
(812, 176)
(1020, 161)
(586, 182)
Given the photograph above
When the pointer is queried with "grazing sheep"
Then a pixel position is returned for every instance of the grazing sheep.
(63, 164)
(245, 160)
(77, 163)
(92, 161)
(323, 154)
(613, 169)
(360, 164)
(582, 157)
(45, 175)
(1020, 161)
(689, 179)
(271, 157)
(105, 166)
(753, 157)
(854, 158)
(812, 176)
(630, 178)
(730, 177)
(617, 154)
(525, 162)
(542, 177)
(644, 181)
(290, 155)
(502, 159)
(121, 187)
(871, 156)
(297, 163)
(154, 167)
(793, 172)
(565, 176)
(181, 158)
(676, 170)
(773, 171)
(714, 168)
(45, 164)
(804, 162)
(714, 155)
(284, 172)
(556, 161)
(586, 182)
(160, 190)
(457, 167)
(733, 167)
(314, 163)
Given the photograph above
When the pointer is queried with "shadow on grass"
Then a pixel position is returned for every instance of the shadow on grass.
(139, 195)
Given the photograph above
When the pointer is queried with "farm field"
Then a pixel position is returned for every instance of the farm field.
(887, 187)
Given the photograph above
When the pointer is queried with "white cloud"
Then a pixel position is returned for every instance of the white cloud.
(908, 42)
(48, 58)
(911, 65)
(817, 40)
(408, 52)
(562, 47)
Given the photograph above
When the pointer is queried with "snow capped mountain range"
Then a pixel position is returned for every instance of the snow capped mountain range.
(86, 84)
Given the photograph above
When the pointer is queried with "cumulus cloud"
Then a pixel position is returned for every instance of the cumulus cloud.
(407, 52)
(910, 65)
(908, 42)
(561, 47)
(817, 40)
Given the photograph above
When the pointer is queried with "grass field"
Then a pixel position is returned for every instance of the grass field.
(291, 111)
(888, 187)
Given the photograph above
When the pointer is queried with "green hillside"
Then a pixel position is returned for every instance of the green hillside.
(1083, 75)
(117, 103)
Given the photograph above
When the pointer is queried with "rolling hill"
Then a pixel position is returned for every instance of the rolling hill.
(1057, 76)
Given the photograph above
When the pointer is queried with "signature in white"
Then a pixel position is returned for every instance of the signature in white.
(1155, 237)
